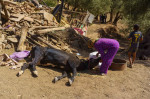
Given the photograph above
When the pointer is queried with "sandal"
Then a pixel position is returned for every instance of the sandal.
(130, 65)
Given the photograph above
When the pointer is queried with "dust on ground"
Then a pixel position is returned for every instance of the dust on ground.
(128, 84)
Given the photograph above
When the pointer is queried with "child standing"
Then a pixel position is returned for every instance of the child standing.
(135, 37)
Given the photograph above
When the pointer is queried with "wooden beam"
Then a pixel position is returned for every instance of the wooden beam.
(75, 12)
(9, 2)
(38, 21)
(36, 43)
(17, 18)
(42, 27)
(5, 13)
(21, 46)
(44, 41)
(50, 30)
(29, 19)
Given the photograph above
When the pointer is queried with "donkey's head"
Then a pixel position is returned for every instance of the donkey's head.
(93, 62)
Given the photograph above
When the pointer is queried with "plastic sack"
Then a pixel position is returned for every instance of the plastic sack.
(19, 55)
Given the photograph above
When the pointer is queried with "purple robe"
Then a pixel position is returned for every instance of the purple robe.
(112, 46)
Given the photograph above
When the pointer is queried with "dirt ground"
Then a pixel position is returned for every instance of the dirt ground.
(128, 84)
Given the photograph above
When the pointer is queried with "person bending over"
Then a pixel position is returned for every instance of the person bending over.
(108, 49)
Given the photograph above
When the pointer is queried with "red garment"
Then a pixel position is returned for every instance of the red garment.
(79, 30)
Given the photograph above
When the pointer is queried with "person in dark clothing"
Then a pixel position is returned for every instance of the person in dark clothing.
(135, 37)
(101, 18)
(105, 17)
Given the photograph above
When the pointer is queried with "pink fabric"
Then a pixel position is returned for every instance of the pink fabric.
(79, 30)
(19, 55)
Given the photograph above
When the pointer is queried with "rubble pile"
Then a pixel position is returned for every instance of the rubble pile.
(28, 26)
(20, 15)
(27, 14)
(68, 40)
(5, 60)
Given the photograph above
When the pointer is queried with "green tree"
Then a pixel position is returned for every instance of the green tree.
(137, 12)
(74, 3)
(99, 6)
(94, 6)
(116, 9)
(136, 8)
(51, 3)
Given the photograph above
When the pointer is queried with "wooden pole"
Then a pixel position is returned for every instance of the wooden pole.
(42, 27)
(49, 30)
(21, 46)
(36, 43)
(10, 2)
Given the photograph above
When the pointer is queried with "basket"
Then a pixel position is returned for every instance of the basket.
(118, 64)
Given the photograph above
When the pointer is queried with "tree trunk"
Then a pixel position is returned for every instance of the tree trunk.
(65, 5)
(111, 16)
(117, 17)
(74, 8)
(96, 18)
(75, 5)
(68, 5)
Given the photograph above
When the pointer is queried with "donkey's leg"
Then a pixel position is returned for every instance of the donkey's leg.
(64, 74)
(71, 80)
(33, 64)
(23, 68)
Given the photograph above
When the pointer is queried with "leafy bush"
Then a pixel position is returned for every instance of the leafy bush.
(51, 3)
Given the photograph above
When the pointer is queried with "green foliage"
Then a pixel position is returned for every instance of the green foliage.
(94, 6)
(51, 3)
(133, 11)
(117, 5)
(137, 12)
(136, 8)
(142, 21)
(99, 6)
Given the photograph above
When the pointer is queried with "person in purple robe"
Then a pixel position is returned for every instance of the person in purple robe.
(108, 49)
